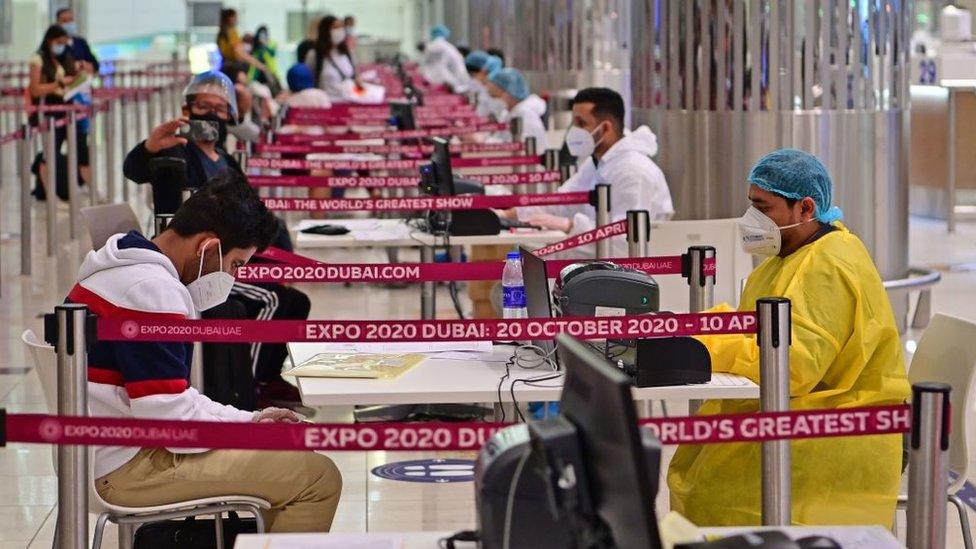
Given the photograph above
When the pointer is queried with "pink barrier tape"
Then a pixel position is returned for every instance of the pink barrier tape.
(310, 271)
(41, 109)
(406, 134)
(879, 420)
(301, 164)
(454, 436)
(464, 202)
(363, 331)
(278, 255)
(11, 137)
(148, 433)
(589, 237)
(393, 181)
(423, 122)
(368, 111)
(313, 148)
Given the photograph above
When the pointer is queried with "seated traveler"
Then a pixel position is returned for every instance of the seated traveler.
(845, 353)
(182, 271)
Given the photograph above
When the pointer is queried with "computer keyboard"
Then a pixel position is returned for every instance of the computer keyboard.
(516, 224)
(728, 380)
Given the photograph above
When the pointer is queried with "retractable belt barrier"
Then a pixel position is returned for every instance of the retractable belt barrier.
(464, 202)
(375, 111)
(394, 181)
(376, 122)
(376, 331)
(433, 272)
(410, 164)
(435, 436)
(600, 233)
(314, 147)
(395, 134)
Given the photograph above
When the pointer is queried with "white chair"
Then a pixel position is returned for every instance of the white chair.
(129, 518)
(947, 354)
(107, 219)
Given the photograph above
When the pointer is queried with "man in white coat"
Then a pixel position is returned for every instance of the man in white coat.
(442, 62)
(606, 153)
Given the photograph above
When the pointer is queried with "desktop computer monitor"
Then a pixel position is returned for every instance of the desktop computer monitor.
(402, 114)
(437, 178)
(610, 504)
(537, 299)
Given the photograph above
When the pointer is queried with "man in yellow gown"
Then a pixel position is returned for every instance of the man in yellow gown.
(845, 353)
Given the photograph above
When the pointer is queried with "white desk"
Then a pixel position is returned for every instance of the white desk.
(874, 537)
(442, 381)
(374, 232)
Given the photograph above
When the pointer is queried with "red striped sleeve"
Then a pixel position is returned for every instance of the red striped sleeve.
(106, 376)
(151, 387)
(102, 307)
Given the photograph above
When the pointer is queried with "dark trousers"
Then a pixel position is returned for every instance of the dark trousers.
(270, 302)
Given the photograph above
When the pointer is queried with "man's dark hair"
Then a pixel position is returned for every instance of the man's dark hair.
(60, 12)
(228, 207)
(464, 50)
(497, 53)
(607, 104)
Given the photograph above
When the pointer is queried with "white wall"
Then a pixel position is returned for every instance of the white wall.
(113, 20)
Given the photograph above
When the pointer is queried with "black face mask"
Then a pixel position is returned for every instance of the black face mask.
(218, 125)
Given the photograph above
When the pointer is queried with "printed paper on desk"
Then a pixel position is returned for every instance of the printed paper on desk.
(333, 541)
(357, 365)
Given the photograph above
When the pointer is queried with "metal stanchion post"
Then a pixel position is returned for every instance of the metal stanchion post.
(701, 286)
(241, 157)
(71, 344)
(928, 473)
(50, 184)
(638, 233)
(110, 133)
(94, 185)
(774, 396)
(26, 211)
(160, 222)
(602, 204)
(73, 213)
(124, 139)
(428, 290)
(531, 148)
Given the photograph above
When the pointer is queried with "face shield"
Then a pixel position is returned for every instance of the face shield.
(215, 84)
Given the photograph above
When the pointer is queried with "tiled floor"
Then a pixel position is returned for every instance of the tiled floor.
(28, 489)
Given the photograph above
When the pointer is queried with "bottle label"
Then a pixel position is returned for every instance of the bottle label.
(513, 297)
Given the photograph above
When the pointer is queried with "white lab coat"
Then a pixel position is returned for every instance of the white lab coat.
(530, 110)
(636, 183)
(335, 70)
(483, 107)
(443, 64)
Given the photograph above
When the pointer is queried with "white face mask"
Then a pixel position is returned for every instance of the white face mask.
(338, 35)
(761, 235)
(580, 142)
(211, 289)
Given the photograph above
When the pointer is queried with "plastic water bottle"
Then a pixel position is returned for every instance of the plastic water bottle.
(513, 288)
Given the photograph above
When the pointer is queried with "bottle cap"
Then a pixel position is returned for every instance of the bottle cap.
(514, 255)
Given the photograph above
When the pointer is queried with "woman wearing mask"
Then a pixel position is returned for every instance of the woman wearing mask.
(52, 70)
(265, 51)
(330, 61)
(232, 47)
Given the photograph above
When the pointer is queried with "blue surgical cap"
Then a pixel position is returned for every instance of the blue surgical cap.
(796, 174)
(440, 31)
(476, 59)
(511, 81)
(492, 65)
(300, 77)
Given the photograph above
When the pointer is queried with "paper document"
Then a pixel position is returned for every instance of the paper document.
(356, 364)
(332, 541)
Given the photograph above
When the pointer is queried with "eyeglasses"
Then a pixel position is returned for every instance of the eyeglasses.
(208, 108)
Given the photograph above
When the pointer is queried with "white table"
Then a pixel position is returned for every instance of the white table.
(443, 381)
(372, 232)
(874, 537)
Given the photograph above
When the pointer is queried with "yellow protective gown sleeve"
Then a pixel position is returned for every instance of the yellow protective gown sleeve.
(845, 353)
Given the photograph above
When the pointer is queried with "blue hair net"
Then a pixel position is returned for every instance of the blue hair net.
(492, 65)
(796, 174)
(440, 31)
(476, 59)
(300, 77)
(511, 81)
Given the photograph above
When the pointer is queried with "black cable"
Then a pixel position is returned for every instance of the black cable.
(501, 381)
(528, 381)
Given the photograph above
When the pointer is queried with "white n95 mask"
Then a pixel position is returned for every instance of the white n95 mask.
(761, 235)
(338, 35)
(580, 142)
(211, 289)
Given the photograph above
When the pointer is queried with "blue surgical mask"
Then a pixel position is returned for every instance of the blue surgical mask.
(58, 49)
(70, 28)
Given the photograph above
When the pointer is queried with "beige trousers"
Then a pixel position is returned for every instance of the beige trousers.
(302, 487)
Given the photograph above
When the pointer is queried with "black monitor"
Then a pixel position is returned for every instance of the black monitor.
(610, 503)
(402, 114)
(537, 300)
(437, 178)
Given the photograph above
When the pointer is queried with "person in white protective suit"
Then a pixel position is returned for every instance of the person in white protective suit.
(606, 153)
(481, 66)
(442, 63)
(509, 87)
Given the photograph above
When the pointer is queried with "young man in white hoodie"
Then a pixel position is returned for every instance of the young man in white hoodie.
(606, 153)
(182, 271)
